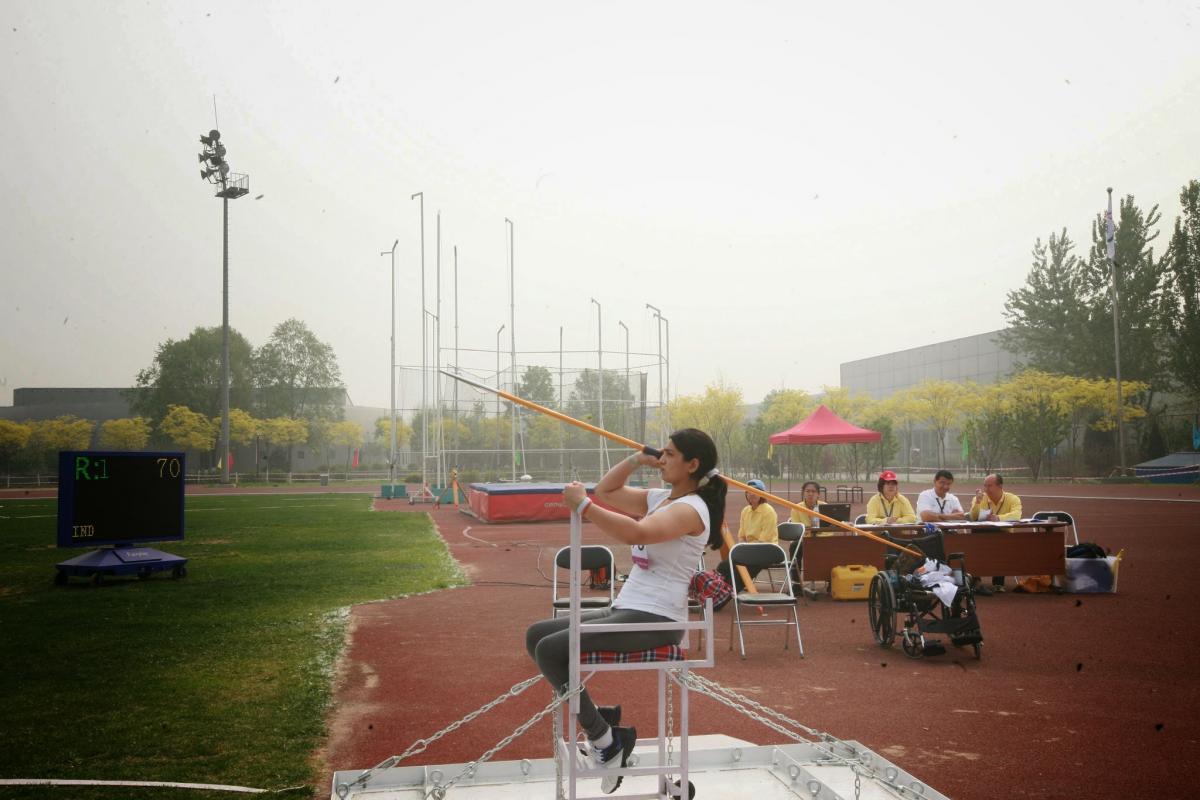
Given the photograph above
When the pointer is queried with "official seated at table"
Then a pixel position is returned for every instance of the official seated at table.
(758, 523)
(938, 504)
(992, 502)
(888, 506)
(810, 498)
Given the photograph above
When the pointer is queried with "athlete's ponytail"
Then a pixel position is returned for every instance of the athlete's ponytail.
(710, 486)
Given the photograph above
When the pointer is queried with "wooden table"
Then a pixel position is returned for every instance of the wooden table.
(1023, 548)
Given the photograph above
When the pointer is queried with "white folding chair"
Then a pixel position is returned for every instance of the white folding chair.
(761, 555)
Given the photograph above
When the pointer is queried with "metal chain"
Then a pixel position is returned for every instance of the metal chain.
(718, 692)
(439, 792)
(670, 722)
(420, 745)
(857, 784)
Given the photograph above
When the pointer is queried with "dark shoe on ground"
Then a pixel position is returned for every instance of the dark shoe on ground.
(610, 714)
(615, 756)
(997, 588)
(984, 590)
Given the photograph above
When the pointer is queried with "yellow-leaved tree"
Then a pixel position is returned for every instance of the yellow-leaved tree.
(67, 432)
(281, 432)
(348, 434)
(189, 430)
(718, 412)
(941, 404)
(13, 437)
(131, 433)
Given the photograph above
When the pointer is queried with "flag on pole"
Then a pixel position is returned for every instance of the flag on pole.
(231, 460)
(354, 460)
(1110, 235)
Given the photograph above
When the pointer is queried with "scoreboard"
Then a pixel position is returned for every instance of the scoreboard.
(116, 498)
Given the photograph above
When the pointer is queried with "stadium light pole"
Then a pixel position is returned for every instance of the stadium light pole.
(230, 186)
(392, 367)
(1110, 238)
(662, 421)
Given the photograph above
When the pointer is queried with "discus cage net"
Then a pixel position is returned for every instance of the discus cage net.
(450, 425)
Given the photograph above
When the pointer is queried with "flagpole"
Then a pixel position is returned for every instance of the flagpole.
(1111, 242)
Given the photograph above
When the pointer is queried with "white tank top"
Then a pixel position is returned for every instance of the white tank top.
(658, 581)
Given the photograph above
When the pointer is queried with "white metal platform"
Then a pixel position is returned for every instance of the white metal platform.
(719, 767)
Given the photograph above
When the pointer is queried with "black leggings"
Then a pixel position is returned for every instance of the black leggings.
(548, 643)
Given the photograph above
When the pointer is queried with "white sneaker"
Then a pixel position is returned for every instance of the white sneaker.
(614, 756)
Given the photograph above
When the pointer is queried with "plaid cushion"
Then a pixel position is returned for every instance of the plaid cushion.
(669, 652)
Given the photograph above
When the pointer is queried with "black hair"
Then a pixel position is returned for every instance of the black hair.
(692, 443)
(999, 479)
(881, 482)
(807, 484)
(943, 473)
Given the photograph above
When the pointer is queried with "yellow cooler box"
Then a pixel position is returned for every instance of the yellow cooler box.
(851, 582)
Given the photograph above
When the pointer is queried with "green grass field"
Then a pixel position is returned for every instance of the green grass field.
(221, 677)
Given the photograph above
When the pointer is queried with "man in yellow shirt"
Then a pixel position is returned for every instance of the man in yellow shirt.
(758, 523)
(992, 502)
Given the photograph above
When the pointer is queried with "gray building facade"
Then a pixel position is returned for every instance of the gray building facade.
(979, 358)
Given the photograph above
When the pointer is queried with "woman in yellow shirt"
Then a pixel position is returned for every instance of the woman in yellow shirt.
(889, 506)
(810, 498)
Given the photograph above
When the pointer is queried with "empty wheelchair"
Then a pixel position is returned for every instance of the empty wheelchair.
(897, 593)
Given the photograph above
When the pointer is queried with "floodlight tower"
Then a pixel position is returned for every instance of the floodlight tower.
(230, 186)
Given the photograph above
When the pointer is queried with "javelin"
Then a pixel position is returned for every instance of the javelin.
(616, 437)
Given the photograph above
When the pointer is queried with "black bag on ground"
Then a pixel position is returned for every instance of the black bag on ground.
(1086, 550)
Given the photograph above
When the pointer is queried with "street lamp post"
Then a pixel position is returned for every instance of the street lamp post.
(231, 186)
(392, 365)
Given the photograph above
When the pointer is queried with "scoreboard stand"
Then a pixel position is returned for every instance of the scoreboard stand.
(120, 560)
(119, 502)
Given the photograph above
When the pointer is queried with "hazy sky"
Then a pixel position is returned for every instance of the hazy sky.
(793, 186)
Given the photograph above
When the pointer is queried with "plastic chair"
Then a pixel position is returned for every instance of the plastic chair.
(1063, 516)
(761, 555)
(592, 556)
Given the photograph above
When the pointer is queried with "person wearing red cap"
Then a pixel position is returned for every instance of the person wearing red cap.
(889, 507)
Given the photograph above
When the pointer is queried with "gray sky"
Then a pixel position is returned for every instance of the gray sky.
(793, 186)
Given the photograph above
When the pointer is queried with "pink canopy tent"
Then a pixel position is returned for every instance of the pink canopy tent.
(823, 427)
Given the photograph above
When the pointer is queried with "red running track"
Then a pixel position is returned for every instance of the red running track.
(1076, 696)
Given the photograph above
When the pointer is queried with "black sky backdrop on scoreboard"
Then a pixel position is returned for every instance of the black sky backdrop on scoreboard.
(107, 498)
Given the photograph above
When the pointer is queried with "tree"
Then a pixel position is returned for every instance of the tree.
(1047, 315)
(537, 385)
(188, 373)
(1183, 301)
(48, 436)
(349, 434)
(1039, 419)
(298, 375)
(780, 410)
(905, 410)
(125, 434)
(940, 403)
(242, 427)
(383, 433)
(14, 436)
(188, 429)
(987, 424)
(718, 412)
(284, 432)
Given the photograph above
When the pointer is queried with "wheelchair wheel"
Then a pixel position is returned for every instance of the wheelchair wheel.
(881, 609)
(913, 644)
